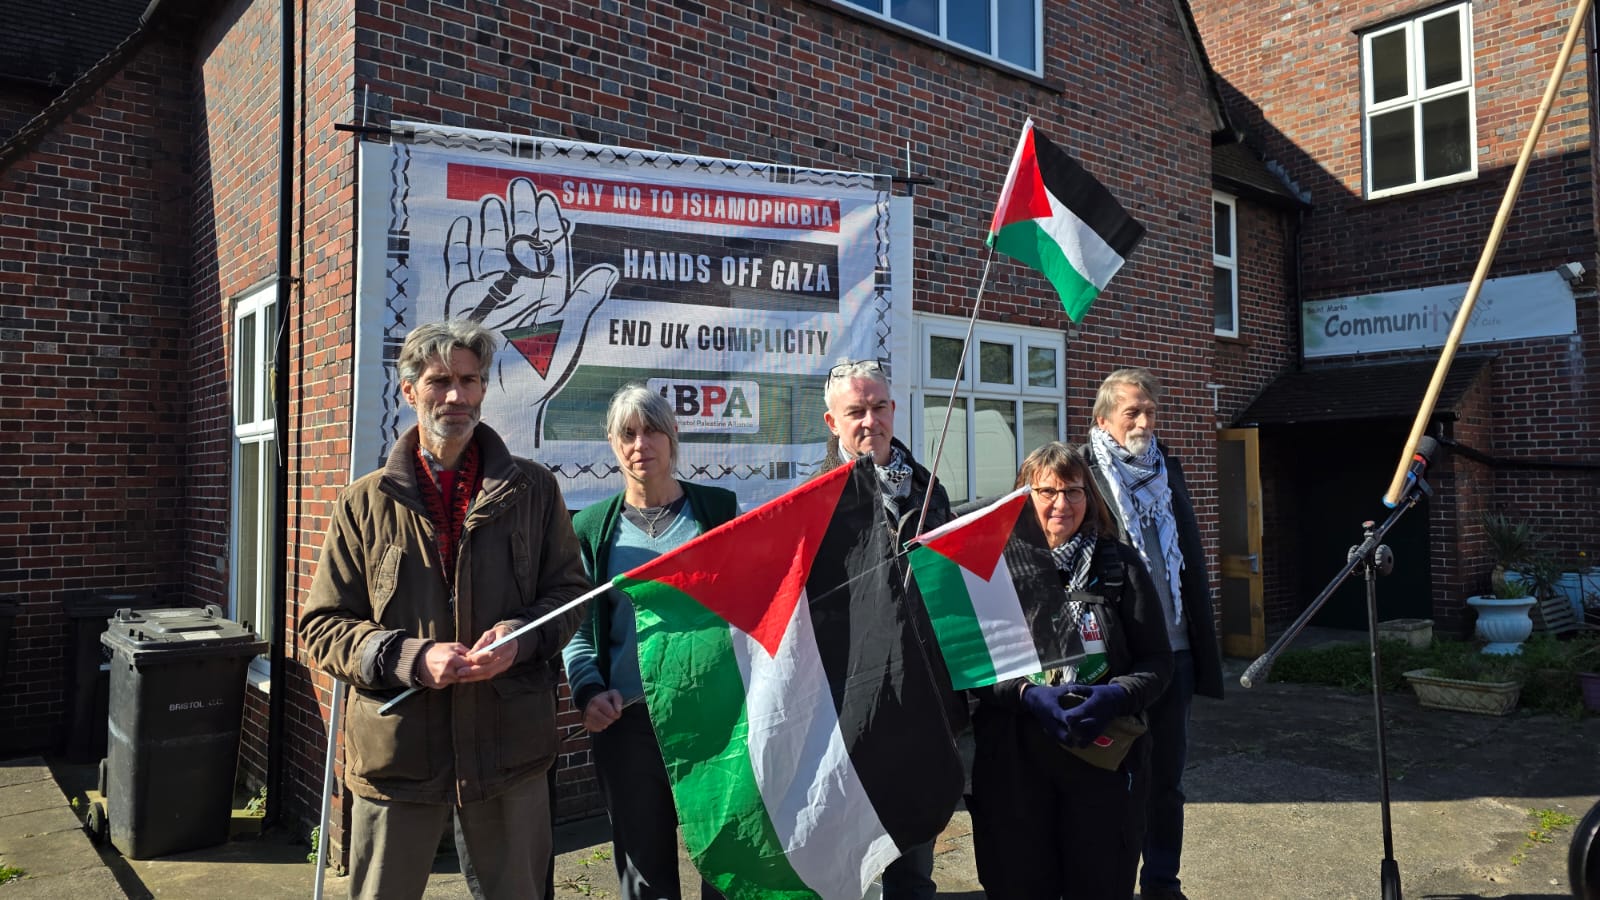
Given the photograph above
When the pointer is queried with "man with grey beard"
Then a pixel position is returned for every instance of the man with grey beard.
(1144, 486)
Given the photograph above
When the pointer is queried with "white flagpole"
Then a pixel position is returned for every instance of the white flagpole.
(327, 787)
(597, 591)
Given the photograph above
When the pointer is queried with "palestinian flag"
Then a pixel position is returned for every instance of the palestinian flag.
(1053, 216)
(993, 594)
(801, 728)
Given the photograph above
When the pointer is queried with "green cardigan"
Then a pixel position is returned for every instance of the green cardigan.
(597, 523)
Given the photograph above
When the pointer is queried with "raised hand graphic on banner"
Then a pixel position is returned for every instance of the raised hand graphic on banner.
(517, 280)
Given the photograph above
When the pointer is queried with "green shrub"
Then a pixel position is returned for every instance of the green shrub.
(1547, 667)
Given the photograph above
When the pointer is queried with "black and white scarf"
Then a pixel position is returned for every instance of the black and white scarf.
(895, 476)
(1073, 558)
(1141, 494)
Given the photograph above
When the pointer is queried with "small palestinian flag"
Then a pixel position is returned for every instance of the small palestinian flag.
(994, 595)
(1053, 216)
(801, 728)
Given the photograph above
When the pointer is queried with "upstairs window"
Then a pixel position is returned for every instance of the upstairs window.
(1418, 102)
(1006, 30)
(1225, 265)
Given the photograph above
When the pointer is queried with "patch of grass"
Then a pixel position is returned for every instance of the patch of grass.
(10, 873)
(316, 839)
(1546, 822)
(1547, 667)
(257, 805)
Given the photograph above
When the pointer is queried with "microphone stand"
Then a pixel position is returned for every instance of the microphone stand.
(1376, 559)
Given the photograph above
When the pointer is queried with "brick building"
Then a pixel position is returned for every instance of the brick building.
(168, 218)
(1401, 125)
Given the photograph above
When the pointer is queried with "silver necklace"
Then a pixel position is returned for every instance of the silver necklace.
(651, 521)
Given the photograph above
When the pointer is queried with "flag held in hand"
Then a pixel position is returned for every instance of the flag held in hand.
(993, 595)
(1055, 217)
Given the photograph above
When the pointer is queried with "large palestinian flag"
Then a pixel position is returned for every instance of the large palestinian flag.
(994, 595)
(801, 729)
(1055, 217)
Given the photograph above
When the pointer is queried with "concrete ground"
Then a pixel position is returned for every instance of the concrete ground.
(1283, 803)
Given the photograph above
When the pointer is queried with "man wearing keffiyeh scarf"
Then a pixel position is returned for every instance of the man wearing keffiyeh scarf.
(860, 416)
(1145, 488)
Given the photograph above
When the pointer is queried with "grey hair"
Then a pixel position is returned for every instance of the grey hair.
(438, 340)
(635, 401)
(1105, 402)
(847, 370)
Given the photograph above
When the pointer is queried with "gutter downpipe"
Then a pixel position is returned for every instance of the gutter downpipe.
(277, 681)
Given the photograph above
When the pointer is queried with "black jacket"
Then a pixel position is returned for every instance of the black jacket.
(1194, 581)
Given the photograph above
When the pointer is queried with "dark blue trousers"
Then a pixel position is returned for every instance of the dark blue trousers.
(1169, 753)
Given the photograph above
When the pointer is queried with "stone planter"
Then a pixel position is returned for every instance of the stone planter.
(1504, 623)
(1415, 632)
(1493, 698)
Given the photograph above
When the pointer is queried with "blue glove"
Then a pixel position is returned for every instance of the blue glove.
(1090, 718)
(1045, 704)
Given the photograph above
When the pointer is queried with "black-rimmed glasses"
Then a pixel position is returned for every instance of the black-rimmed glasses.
(1074, 495)
(860, 365)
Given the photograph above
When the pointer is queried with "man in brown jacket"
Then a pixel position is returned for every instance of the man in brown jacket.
(452, 545)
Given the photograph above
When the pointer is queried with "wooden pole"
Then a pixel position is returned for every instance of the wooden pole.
(1392, 498)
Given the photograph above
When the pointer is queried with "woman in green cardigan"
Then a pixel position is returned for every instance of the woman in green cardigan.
(654, 513)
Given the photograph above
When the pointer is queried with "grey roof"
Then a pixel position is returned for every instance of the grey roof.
(1237, 169)
(1349, 392)
(51, 44)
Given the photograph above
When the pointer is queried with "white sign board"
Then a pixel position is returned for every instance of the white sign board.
(1520, 306)
(727, 286)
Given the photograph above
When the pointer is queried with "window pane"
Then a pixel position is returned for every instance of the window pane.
(1222, 229)
(996, 363)
(944, 356)
(1446, 137)
(952, 461)
(1222, 298)
(922, 14)
(1393, 152)
(1441, 51)
(1041, 367)
(1041, 424)
(244, 370)
(996, 442)
(967, 23)
(248, 561)
(1388, 65)
(269, 505)
(1016, 32)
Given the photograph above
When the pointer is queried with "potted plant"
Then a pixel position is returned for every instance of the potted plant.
(1503, 621)
(1469, 682)
(1510, 543)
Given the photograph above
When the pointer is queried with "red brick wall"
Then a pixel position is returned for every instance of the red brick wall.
(717, 79)
(96, 341)
(1291, 72)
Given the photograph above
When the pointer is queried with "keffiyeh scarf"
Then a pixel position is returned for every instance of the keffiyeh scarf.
(896, 477)
(1140, 491)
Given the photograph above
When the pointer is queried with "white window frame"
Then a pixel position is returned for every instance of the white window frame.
(251, 604)
(1225, 261)
(973, 388)
(881, 9)
(1416, 96)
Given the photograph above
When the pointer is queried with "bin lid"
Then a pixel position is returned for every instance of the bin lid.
(145, 634)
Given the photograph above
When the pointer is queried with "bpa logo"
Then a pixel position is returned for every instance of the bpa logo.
(719, 407)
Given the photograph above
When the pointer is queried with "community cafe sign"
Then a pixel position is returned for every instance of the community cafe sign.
(1520, 306)
(727, 286)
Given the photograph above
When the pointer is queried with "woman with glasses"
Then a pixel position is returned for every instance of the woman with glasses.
(654, 513)
(1053, 813)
